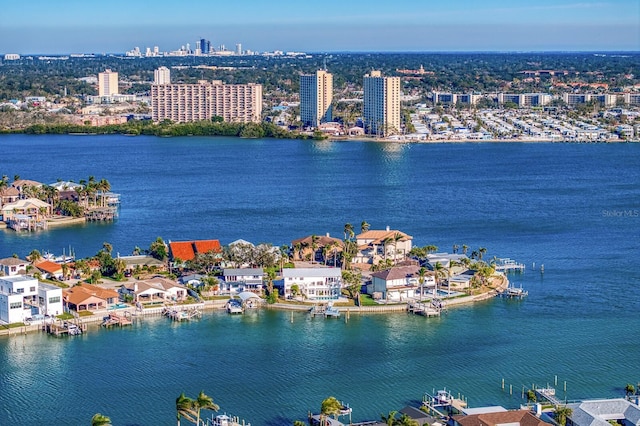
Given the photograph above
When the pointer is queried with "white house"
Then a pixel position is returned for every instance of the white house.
(18, 298)
(400, 283)
(313, 283)
(12, 266)
(243, 279)
(49, 299)
(155, 289)
(374, 246)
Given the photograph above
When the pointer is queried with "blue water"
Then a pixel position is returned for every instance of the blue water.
(573, 207)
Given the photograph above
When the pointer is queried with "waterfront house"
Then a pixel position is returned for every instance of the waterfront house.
(400, 283)
(604, 412)
(140, 262)
(499, 418)
(155, 290)
(187, 250)
(30, 213)
(313, 283)
(12, 266)
(50, 269)
(445, 259)
(374, 246)
(317, 248)
(8, 195)
(25, 187)
(50, 299)
(18, 298)
(87, 297)
(243, 279)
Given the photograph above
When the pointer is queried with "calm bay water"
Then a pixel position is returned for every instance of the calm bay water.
(574, 208)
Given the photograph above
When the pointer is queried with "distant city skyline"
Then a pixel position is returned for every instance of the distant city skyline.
(74, 26)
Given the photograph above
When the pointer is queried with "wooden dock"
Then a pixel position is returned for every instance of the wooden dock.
(507, 265)
(67, 328)
(428, 309)
(117, 320)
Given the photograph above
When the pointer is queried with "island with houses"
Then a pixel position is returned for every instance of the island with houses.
(27, 205)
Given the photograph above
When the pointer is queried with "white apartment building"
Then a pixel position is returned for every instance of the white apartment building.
(316, 96)
(455, 98)
(525, 99)
(381, 104)
(108, 83)
(313, 283)
(183, 103)
(632, 98)
(23, 296)
(162, 76)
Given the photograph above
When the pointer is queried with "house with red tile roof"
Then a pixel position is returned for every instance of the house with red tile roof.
(87, 297)
(50, 269)
(187, 250)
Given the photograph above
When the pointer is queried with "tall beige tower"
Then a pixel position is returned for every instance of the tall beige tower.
(107, 83)
(316, 95)
(381, 104)
(162, 76)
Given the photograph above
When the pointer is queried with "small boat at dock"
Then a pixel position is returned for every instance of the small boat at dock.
(234, 306)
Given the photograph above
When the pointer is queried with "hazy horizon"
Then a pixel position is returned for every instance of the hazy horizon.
(45, 27)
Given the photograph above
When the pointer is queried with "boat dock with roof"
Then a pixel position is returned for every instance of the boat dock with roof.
(507, 265)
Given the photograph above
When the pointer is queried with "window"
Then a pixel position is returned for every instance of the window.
(15, 305)
(19, 290)
(32, 289)
(55, 299)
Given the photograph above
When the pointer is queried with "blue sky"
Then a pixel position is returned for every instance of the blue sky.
(70, 26)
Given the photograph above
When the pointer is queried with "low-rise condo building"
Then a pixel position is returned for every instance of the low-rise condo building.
(182, 103)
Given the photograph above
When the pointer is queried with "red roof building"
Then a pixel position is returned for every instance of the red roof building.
(187, 250)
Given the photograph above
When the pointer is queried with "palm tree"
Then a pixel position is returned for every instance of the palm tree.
(464, 249)
(329, 407)
(562, 413)
(297, 249)
(629, 389)
(348, 231)
(364, 226)
(389, 419)
(481, 252)
(405, 420)
(396, 237)
(386, 242)
(421, 274)
(314, 247)
(439, 270)
(34, 256)
(204, 402)
(100, 420)
(107, 248)
(185, 407)
(455, 248)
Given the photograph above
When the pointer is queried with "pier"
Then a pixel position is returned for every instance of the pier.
(507, 265)
(117, 320)
(514, 293)
(549, 394)
(326, 311)
(67, 328)
(427, 309)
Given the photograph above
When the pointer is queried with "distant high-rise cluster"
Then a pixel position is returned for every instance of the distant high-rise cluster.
(316, 95)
